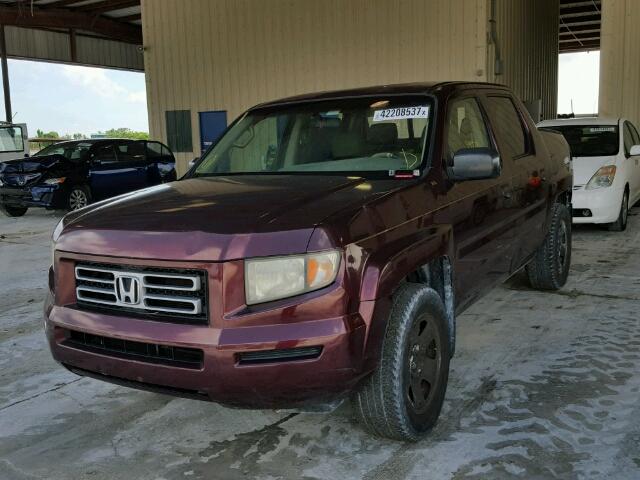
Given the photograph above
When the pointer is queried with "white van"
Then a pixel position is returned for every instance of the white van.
(14, 141)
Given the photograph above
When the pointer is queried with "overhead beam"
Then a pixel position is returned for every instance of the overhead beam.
(107, 6)
(129, 18)
(59, 3)
(66, 19)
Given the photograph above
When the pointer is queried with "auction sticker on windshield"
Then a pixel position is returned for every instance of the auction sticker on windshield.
(401, 113)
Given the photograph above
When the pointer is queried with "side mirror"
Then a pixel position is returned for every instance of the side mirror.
(475, 164)
(635, 151)
(26, 155)
(193, 162)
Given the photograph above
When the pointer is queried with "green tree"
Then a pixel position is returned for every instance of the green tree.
(43, 134)
(126, 133)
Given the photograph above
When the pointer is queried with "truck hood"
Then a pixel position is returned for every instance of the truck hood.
(585, 167)
(215, 218)
(31, 164)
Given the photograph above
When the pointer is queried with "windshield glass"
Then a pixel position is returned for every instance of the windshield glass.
(71, 151)
(591, 140)
(11, 139)
(363, 136)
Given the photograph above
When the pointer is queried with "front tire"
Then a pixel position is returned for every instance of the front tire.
(79, 197)
(12, 211)
(549, 268)
(402, 399)
(620, 225)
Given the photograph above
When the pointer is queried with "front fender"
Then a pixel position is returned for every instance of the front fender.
(390, 264)
(386, 268)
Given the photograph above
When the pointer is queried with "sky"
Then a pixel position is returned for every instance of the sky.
(73, 99)
(578, 77)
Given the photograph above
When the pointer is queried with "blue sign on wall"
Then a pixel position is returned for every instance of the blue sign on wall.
(212, 125)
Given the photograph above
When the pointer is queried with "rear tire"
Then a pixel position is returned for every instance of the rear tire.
(549, 268)
(620, 225)
(11, 211)
(79, 197)
(402, 399)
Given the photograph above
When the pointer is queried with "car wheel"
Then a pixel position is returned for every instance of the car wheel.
(79, 197)
(620, 224)
(12, 211)
(402, 399)
(549, 268)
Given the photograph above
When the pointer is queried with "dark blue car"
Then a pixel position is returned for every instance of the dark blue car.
(70, 175)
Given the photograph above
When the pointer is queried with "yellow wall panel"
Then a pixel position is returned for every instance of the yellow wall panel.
(206, 55)
(620, 60)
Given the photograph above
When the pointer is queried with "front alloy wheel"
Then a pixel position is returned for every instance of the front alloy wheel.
(78, 198)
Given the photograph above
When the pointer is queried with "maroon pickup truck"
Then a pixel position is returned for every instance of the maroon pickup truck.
(320, 249)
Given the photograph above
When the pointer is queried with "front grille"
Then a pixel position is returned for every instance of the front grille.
(20, 179)
(170, 295)
(130, 350)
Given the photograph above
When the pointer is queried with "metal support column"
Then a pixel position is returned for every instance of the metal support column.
(5, 75)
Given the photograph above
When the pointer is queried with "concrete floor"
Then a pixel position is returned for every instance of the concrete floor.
(544, 385)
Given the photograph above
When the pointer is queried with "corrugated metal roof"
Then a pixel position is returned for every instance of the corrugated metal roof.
(580, 25)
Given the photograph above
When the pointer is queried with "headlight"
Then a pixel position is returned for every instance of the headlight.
(54, 181)
(54, 238)
(268, 279)
(603, 178)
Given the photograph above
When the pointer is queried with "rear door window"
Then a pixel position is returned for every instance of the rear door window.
(157, 152)
(508, 127)
(634, 134)
(131, 152)
(105, 154)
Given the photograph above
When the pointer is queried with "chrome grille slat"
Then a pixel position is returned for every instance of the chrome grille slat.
(152, 292)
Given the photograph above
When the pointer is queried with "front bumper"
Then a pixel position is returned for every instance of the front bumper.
(47, 196)
(604, 204)
(222, 377)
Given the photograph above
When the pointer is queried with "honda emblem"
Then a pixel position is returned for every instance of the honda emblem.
(128, 290)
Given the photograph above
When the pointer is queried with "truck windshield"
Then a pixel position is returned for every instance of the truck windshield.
(11, 139)
(591, 140)
(364, 136)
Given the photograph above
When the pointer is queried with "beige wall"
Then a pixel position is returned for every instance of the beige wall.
(527, 35)
(620, 60)
(205, 55)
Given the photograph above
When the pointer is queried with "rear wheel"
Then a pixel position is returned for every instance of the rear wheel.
(79, 197)
(402, 399)
(621, 223)
(12, 211)
(549, 268)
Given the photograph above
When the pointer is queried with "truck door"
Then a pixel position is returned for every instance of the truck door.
(132, 165)
(527, 205)
(476, 209)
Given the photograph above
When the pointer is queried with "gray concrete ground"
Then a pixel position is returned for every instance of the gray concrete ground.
(544, 385)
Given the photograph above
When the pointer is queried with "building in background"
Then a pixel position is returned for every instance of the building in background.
(206, 61)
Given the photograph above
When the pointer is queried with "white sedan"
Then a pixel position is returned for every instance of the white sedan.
(606, 168)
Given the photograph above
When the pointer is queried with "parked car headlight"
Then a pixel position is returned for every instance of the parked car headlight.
(273, 278)
(54, 181)
(602, 178)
